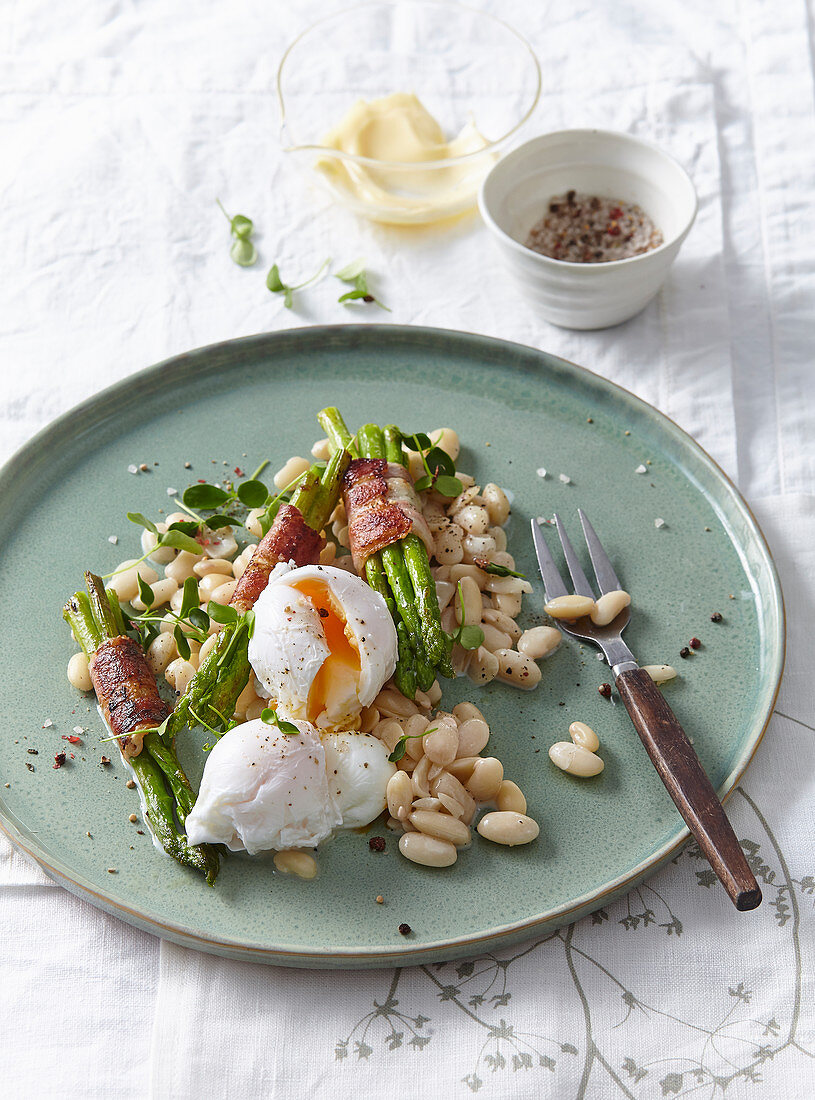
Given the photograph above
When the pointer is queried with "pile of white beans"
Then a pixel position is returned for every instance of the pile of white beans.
(443, 780)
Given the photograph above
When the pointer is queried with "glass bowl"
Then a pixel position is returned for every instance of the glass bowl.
(468, 69)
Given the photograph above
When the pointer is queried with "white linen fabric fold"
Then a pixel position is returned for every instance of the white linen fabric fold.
(120, 124)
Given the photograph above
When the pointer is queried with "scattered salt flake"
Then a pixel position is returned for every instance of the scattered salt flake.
(641, 469)
(542, 520)
(599, 656)
(132, 469)
(565, 479)
(171, 492)
(541, 471)
(113, 539)
(659, 522)
(78, 729)
(47, 724)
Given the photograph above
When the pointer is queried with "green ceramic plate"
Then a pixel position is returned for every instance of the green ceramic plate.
(516, 410)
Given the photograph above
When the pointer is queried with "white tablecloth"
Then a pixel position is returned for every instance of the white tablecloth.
(119, 124)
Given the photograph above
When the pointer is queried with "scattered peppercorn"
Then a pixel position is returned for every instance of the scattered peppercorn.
(695, 643)
(380, 900)
(605, 690)
(684, 651)
(131, 783)
(377, 844)
(133, 818)
(105, 760)
(34, 752)
(59, 759)
(112, 871)
(716, 617)
(30, 766)
(405, 929)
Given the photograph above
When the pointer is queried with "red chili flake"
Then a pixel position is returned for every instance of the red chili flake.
(615, 212)
(613, 230)
(239, 471)
(605, 690)
(59, 760)
(695, 643)
(72, 737)
(377, 844)
(202, 481)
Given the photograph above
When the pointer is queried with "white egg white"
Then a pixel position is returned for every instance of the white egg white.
(263, 789)
(354, 639)
(358, 772)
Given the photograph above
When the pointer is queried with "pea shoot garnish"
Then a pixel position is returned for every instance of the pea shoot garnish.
(275, 283)
(467, 636)
(496, 570)
(439, 467)
(242, 252)
(400, 748)
(269, 716)
(354, 275)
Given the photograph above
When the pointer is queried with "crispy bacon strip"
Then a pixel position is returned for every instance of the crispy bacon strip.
(126, 689)
(288, 539)
(382, 507)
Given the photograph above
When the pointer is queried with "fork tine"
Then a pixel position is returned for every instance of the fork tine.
(606, 577)
(552, 580)
(579, 578)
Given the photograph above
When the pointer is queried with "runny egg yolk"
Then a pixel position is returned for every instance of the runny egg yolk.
(342, 666)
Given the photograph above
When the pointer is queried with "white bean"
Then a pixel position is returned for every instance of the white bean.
(466, 497)
(388, 731)
(508, 586)
(465, 711)
(477, 546)
(442, 826)
(434, 804)
(569, 607)
(429, 851)
(500, 536)
(174, 517)
(510, 798)
(178, 674)
(208, 585)
(504, 827)
(507, 602)
(487, 776)
(125, 582)
(459, 572)
(292, 469)
(483, 666)
(149, 544)
(441, 746)
(609, 606)
(448, 549)
(182, 566)
(445, 590)
(252, 523)
(502, 622)
(469, 610)
(161, 651)
(584, 736)
(447, 440)
(575, 759)
(206, 566)
(254, 710)
(501, 557)
(176, 600)
(447, 784)
(207, 648)
(162, 592)
(399, 793)
(420, 778)
(321, 450)
(301, 864)
(497, 504)
(224, 593)
(495, 639)
(393, 704)
(79, 672)
(328, 553)
(660, 673)
(221, 544)
(450, 806)
(414, 727)
(368, 718)
(462, 768)
(461, 659)
(518, 669)
(246, 698)
(539, 641)
(474, 519)
(195, 650)
(434, 693)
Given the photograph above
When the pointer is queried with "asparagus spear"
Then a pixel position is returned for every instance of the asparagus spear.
(94, 620)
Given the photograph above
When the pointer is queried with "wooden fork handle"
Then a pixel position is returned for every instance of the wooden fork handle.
(679, 769)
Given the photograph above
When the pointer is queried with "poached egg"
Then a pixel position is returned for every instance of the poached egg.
(324, 643)
(264, 789)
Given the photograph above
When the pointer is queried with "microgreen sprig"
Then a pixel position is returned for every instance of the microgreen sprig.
(468, 636)
(354, 275)
(275, 284)
(191, 621)
(439, 467)
(496, 570)
(400, 748)
(270, 717)
(242, 252)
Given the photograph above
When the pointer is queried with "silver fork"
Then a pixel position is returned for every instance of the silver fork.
(660, 732)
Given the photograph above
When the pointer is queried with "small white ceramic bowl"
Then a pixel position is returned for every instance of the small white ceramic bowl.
(514, 196)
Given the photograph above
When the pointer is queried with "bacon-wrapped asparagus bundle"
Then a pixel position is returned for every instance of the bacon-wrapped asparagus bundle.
(133, 709)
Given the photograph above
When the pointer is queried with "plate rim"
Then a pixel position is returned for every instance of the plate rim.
(457, 945)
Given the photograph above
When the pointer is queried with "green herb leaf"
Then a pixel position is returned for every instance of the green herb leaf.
(177, 540)
(419, 441)
(205, 496)
(349, 273)
(243, 252)
(142, 521)
(423, 483)
(400, 748)
(241, 226)
(181, 642)
(145, 591)
(448, 486)
(496, 570)
(189, 597)
(219, 520)
(249, 619)
(188, 526)
(221, 613)
(269, 716)
(199, 619)
(470, 637)
(253, 494)
(273, 280)
(440, 462)
(354, 273)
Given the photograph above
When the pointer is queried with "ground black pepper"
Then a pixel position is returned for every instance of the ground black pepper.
(684, 651)
(716, 617)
